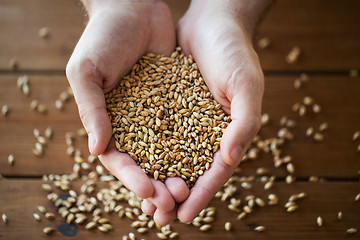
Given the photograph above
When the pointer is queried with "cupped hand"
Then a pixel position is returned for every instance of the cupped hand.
(220, 43)
(117, 35)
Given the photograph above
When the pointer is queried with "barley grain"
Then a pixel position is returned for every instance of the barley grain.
(36, 217)
(4, 110)
(293, 55)
(228, 226)
(260, 228)
(339, 215)
(351, 230)
(356, 136)
(205, 227)
(357, 197)
(49, 230)
(11, 159)
(292, 208)
(44, 32)
(4, 218)
(319, 221)
(264, 43)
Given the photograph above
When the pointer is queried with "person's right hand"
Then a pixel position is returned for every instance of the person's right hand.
(117, 35)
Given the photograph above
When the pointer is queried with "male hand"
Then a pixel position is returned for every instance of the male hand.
(117, 35)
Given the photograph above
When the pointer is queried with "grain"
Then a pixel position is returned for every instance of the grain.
(11, 159)
(41, 108)
(357, 197)
(260, 228)
(293, 55)
(103, 229)
(318, 137)
(292, 208)
(228, 226)
(44, 32)
(165, 117)
(290, 168)
(90, 225)
(36, 217)
(339, 215)
(4, 110)
(307, 100)
(59, 104)
(323, 126)
(264, 43)
(42, 209)
(205, 227)
(351, 230)
(316, 108)
(319, 221)
(4, 218)
(49, 216)
(48, 133)
(356, 136)
(49, 230)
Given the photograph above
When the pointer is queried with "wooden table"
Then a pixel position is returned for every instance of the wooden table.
(328, 34)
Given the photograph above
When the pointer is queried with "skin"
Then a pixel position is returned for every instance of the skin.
(218, 34)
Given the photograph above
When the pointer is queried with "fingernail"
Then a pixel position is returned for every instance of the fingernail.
(236, 153)
(91, 142)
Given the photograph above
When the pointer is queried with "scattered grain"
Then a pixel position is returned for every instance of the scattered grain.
(49, 230)
(11, 159)
(357, 197)
(293, 55)
(5, 110)
(339, 215)
(228, 226)
(36, 217)
(351, 230)
(319, 221)
(44, 32)
(4, 218)
(264, 43)
(260, 228)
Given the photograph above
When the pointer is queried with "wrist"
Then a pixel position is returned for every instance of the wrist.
(246, 13)
(92, 6)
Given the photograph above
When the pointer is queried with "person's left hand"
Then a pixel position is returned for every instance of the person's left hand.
(221, 45)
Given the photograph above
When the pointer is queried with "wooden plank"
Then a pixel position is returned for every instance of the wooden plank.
(20, 198)
(326, 31)
(21, 20)
(335, 157)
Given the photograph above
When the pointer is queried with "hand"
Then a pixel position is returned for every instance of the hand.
(219, 38)
(117, 35)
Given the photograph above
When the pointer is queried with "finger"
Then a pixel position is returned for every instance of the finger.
(164, 33)
(147, 207)
(245, 110)
(177, 188)
(164, 218)
(205, 189)
(161, 197)
(126, 170)
(86, 83)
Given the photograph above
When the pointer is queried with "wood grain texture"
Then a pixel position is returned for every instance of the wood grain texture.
(323, 199)
(326, 32)
(335, 157)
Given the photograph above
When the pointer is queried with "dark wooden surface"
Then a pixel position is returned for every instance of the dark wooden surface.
(326, 31)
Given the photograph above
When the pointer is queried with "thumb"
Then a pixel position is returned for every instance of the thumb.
(245, 95)
(86, 82)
